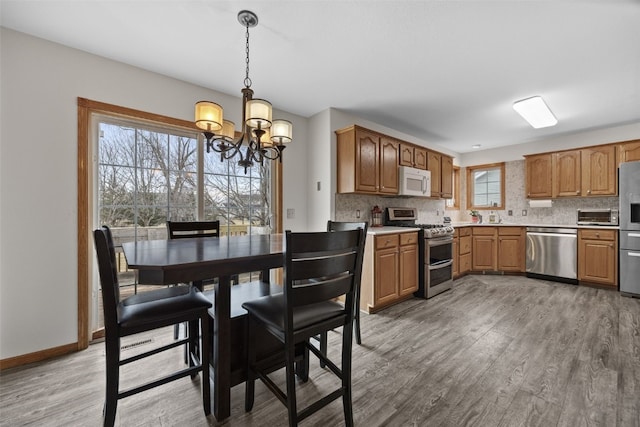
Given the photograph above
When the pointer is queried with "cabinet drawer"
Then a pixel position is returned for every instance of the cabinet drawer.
(387, 241)
(592, 234)
(484, 231)
(465, 245)
(408, 238)
(510, 231)
(464, 231)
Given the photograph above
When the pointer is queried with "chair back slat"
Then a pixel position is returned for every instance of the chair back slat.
(321, 266)
(187, 229)
(110, 287)
(324, 290)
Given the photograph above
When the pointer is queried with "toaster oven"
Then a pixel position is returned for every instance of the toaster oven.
(597, 217)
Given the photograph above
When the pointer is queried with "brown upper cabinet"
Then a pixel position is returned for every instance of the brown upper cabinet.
(538, 171)
(441, 167)
(586, 172)
(367, 162)
(629, 151)
(411, 155)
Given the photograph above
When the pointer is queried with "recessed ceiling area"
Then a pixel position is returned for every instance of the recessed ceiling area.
(446, 72)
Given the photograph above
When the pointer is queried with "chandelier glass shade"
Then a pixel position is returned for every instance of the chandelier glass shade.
(263, 137)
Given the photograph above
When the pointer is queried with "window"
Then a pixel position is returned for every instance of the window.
(485, 186)
(454, 202)
(138, 169)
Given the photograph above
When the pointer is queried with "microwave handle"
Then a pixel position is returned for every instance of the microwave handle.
(425, 182)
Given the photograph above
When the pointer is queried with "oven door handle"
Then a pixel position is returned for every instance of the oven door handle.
(440, 264)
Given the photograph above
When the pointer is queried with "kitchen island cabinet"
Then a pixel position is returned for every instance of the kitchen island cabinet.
(389, 270)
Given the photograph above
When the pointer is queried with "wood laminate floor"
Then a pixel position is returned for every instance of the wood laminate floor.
(493, 351)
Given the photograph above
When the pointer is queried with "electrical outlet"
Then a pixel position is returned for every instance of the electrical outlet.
(524, 212)
(291, 213)
(318, 186)
(510, 212)
(358, 213)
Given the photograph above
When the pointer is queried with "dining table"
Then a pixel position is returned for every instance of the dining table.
(172, 261)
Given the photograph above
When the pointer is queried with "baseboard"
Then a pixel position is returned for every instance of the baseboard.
(38, 356)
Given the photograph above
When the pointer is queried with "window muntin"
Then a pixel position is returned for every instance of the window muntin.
(485, 186)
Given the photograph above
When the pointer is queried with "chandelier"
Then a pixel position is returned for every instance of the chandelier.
(264, 138)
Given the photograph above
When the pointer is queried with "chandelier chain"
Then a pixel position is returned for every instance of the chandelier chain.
(247, 80)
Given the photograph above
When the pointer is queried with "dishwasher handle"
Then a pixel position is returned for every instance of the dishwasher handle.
(535, 233)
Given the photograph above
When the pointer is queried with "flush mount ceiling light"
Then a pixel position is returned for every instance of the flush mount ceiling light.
(535, 111)
(264, 138)
(476, 146)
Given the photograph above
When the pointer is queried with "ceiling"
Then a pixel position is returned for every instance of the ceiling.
(446, 72)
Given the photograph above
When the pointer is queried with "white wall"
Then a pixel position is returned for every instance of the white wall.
(39, 85)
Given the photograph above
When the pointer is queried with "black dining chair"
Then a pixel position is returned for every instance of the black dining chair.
(319, 267)
(145, 312)
(323, 338)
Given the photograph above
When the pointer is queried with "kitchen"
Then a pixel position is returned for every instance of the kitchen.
(53, 160)
(587, 257)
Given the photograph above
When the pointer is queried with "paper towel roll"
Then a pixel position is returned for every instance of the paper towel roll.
(539, 203)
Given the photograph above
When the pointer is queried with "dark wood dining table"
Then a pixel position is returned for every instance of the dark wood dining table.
(188, 260)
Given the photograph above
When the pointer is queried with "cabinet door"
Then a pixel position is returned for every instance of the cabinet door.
(511, 253)
(567, 174)
(597, 262)
(433, 164)
(406, 155)
(538, 170)
(456, 258)
(388, 166)
(465, 263)
(408, 282)
(446, 184)
(629, 151)
(483, 253)
(599, 171)
(367, 166)
(419, 158)
(386, 272)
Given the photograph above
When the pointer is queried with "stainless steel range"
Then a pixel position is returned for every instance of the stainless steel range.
(435, 254)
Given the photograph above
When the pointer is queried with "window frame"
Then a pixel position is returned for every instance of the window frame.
(470, 185)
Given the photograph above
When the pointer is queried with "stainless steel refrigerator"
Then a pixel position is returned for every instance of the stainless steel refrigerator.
(629, 179)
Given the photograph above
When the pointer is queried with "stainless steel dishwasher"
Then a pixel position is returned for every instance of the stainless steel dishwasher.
(552, 253)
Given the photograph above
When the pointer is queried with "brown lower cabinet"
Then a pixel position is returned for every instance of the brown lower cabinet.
(493, 249)
(389, 270)
(598, 256)
(462, 251)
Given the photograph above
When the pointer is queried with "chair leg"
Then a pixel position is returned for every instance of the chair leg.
(112, 351)
(250, 383)
(192, 346)
(347, 345)
(291, 385)
(205, 353)
(302, 366)
(323, 347)
(356, 324)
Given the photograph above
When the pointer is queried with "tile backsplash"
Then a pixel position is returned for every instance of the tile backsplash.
(347, 205)
(562, 212)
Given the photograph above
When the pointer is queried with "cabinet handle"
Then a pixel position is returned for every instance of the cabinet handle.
(578, 192)
(588, 191)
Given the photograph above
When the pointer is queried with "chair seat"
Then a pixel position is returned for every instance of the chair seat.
(159, 308)
(271, 310)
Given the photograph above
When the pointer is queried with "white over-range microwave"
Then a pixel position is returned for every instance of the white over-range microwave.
(414, 182)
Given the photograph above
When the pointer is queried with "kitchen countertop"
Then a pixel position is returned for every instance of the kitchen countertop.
(507, 224)
(388, 230)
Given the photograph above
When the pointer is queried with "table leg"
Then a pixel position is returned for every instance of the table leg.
(222, 349)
